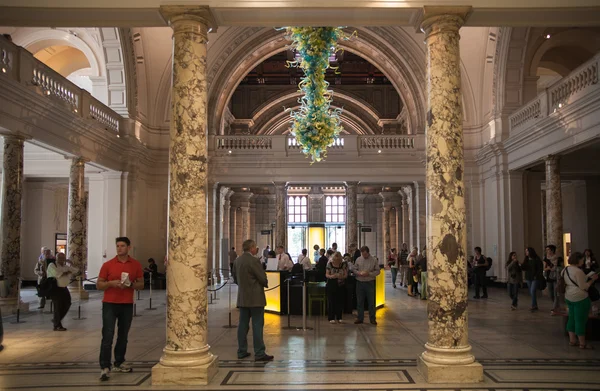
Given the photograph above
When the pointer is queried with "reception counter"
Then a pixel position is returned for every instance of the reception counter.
(277, 297)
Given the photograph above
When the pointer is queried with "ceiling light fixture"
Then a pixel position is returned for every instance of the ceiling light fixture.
(229, 151)
(379, 151)
(547, 36)
(3, 70)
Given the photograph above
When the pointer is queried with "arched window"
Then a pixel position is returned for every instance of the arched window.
(335, 209)
(297, 209)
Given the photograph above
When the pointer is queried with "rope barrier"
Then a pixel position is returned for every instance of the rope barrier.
(219, 288)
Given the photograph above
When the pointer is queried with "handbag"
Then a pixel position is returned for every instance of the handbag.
(561, 285)
(593, 293)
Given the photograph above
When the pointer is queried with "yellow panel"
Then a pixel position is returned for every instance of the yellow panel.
(316, 235)
(380, 289)
(274, 295)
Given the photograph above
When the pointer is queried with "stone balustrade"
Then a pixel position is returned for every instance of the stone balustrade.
(568, 91)
(19, 65)
(350, 144)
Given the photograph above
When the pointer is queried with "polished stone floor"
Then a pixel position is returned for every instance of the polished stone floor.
(518, 349)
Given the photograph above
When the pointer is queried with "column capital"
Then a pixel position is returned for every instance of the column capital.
(189, 19)
(552, 159)
(443, 19)
(352, 183)
(280, 185)
(77, 160)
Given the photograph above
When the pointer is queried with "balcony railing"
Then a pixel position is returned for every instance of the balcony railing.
(349, 144)
(567, 91)
(20, 66)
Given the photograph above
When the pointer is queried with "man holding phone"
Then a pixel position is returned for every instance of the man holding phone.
(118, 278)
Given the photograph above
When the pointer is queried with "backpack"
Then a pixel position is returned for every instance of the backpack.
(489, 266)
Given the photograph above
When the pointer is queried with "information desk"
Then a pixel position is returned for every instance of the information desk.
(277, 298)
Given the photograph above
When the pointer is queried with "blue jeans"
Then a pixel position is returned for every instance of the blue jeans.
(258, 322)
(532, 285)
(111, 313)
(394, 275)
(513, 292)
(365, 289)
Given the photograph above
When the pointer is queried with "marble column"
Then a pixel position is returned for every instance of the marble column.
(280, 214)
(420, 214)
(405, 220)
(12, 191)
(393, 228)
(76, 229)
(245, 224)
(187, 359)
(234, 233)
(351, 213)
(360, 215)
(554, 222)
(387, 239)
(447, 358)
(226, 245)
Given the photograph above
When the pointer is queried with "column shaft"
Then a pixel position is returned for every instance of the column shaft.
(280, 217)
(554, 223)
(12, 191)
(448, 355)
(351, 213)
(387, 239)
(187, 358)
(77, 217)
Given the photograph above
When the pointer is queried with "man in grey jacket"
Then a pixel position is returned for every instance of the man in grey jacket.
(251, 279)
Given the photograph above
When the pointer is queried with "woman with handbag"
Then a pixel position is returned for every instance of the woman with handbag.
(515, 278)
(412, 273)
(393, 264)
(337, 271)
(577, 299)
(534, 274)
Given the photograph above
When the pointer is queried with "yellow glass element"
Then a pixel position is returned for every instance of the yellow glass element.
(316, 235)
(274, 295)
(567, 244)
(380, 289)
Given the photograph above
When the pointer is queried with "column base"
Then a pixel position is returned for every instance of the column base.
(8, 305)
(449, 373)
(199, 375)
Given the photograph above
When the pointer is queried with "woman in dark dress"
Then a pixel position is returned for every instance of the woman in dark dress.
(321, 266)
(337, 271)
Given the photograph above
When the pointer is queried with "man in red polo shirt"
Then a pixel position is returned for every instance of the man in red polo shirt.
(118, 278)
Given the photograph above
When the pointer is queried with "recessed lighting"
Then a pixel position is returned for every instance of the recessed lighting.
(379, 151)
(547, 36)
(47, 92)
(560, 105)
(229, 151)
(118, 136)
(3, 70)
(75, 110)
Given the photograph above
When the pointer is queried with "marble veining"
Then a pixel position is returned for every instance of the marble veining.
(77, 216)
(386, 232)
(351, 213)
(12, 191)
(280, 214)
(187, 308)
(446, 221)
(554, 223)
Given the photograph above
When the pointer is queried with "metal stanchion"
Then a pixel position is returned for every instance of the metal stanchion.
(135, 314)
(304, 328)
(79, 300)
(230, 326)
(289, 310)
(150, 297)
(18, 303)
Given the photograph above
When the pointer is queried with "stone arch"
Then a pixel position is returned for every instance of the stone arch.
(280, 122)
(511, 48)
(102, 48)
(573, 47)
(381, 46)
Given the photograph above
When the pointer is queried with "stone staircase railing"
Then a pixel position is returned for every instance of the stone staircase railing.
(567, 91)
(19, 65)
